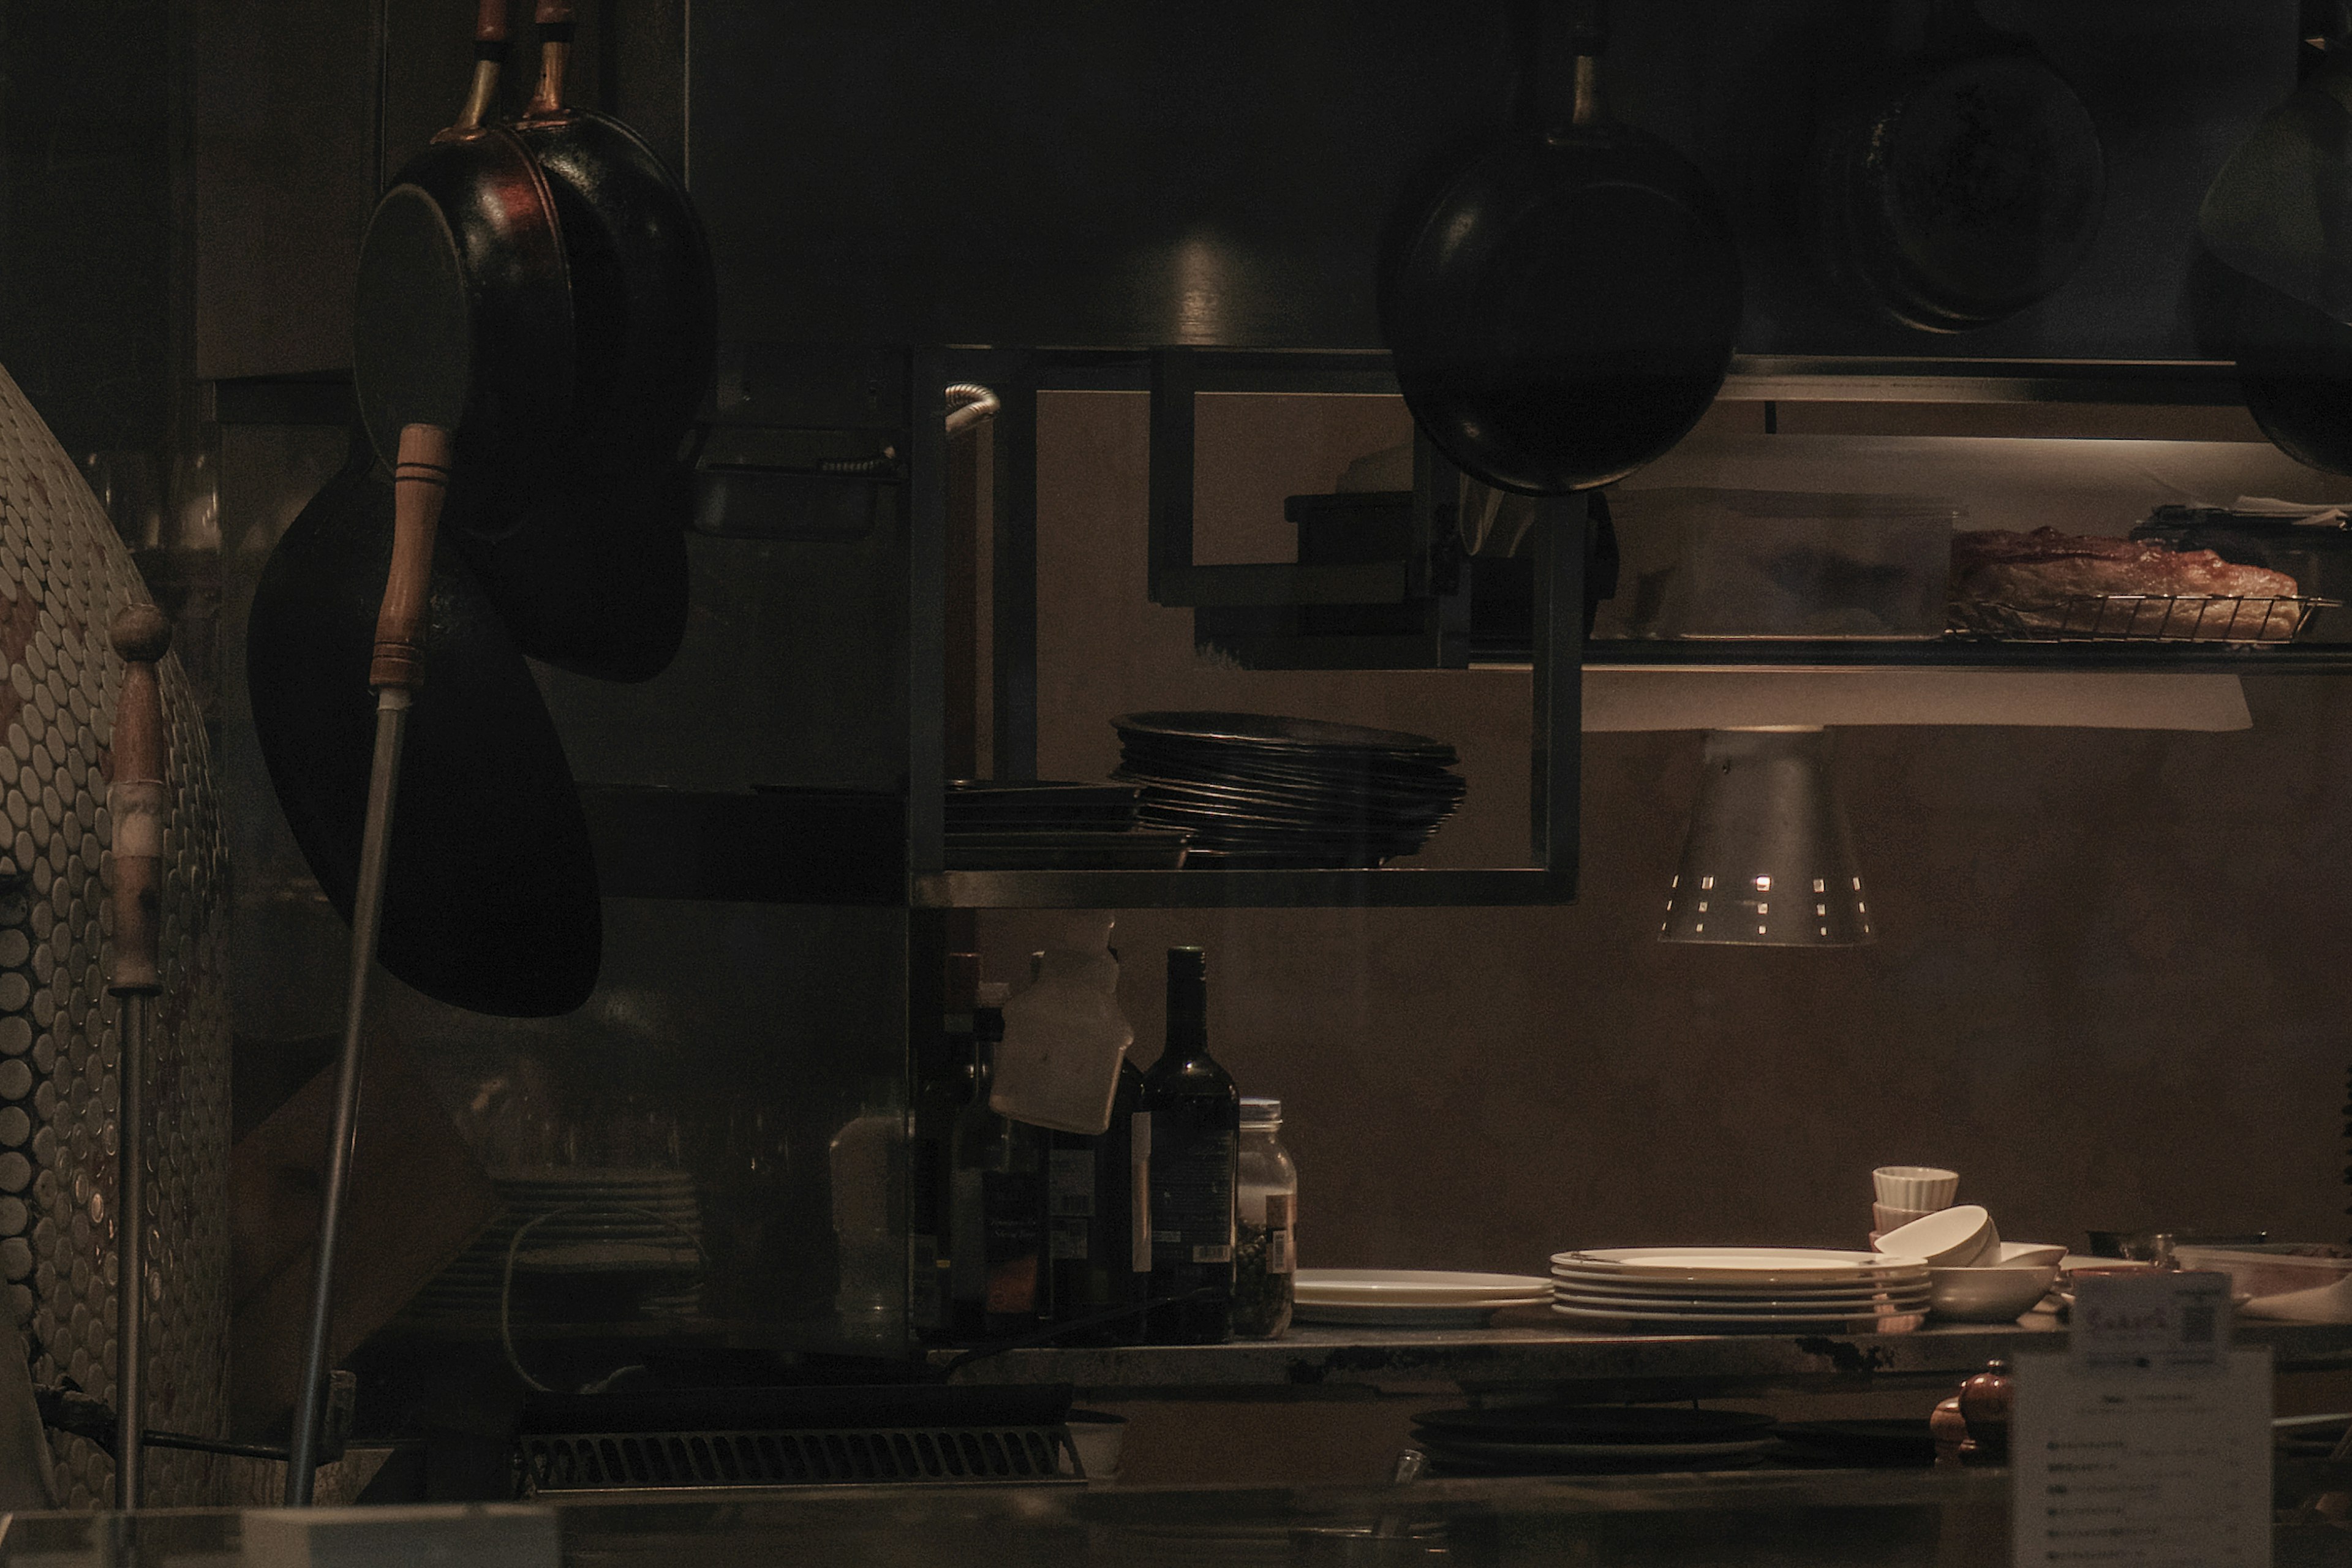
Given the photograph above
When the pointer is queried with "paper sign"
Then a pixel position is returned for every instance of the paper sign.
(2149, 1446)
(2170, 1325)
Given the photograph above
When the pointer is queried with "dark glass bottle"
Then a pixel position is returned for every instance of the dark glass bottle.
(996, 1212)
(1194, 1131)
(1096, 1262)
(946, 1088)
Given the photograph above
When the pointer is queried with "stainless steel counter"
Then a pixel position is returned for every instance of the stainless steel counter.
(1343, 1364)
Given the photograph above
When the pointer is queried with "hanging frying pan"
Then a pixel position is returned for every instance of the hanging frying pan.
(490, 896)
(1970, 192)
(2280, 211)
(1565, 312)
(592, 575)
(2278, 220)
(517, 302)
(645, 294)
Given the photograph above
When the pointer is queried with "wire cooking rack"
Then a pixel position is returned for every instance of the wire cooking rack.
(2143, 617)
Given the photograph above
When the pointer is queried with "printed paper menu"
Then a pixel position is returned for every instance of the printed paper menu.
(2149, 1445)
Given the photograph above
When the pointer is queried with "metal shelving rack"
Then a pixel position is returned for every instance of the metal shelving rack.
(890, 851)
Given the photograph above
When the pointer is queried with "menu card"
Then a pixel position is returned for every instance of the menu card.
(2149, 1443)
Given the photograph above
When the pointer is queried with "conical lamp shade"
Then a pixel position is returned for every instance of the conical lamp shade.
(1770, 861)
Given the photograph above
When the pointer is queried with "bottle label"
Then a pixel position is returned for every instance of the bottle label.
(1193, 1186)
(1014, 1222)
(1139, 1186)
(1072, 1194)
(1281, 1211)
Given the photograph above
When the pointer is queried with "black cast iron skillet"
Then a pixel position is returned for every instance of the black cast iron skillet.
(516, 296)
(1565, 311)
(1970, 190)
(592, 574)
(491, 895)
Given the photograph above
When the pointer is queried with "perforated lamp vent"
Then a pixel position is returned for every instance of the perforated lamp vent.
(1770, 861)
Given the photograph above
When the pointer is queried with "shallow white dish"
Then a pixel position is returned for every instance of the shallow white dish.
(1742, 1266)
(1909, 1300)
(1367, 1285)
(1720, 1324)
(1404, 1314)
(1952, 1237)
(1850, 1285)
(2025, 1255)
(1994, 1295)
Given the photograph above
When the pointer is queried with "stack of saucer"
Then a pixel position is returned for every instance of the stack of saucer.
(1410, 1297)
(1740, 1290)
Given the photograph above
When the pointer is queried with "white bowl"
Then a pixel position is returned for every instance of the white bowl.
(1988, 1295)
(1948, 1239)
(2021, 1255)
(1914, 1187)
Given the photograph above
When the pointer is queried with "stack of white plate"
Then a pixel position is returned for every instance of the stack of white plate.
(583, 1221)
(1740, 1290)
(1411, 1297)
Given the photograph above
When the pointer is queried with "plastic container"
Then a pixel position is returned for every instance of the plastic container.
(1702, 562)
(1266, 1221)
(2278, 1268)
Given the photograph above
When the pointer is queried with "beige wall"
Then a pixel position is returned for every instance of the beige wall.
(2111, 986)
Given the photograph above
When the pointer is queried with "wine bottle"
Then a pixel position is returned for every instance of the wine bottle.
(1193, 1125)
(1092, 1243)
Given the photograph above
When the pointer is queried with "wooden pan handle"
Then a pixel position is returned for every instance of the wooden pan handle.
(136, 800)
(491, 23)
(555, 30)
(420, 481)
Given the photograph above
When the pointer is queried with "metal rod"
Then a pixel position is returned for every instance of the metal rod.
(130, 1256)
(367, 906)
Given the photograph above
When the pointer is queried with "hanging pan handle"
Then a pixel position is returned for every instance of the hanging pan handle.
(489, 62)
(135, 800)
(1588, 35)
(420, 484)
(555, 31)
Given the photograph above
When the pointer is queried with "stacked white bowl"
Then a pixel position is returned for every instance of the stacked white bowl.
(1974, 1275)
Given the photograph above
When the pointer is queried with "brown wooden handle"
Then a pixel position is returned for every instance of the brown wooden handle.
(553, 14)
(490, 25)
(420, 483)
(136, 800)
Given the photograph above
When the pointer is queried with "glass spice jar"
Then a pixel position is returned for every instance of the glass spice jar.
(1265, 1217)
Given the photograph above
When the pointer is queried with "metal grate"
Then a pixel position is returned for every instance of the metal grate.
(612, 1461)
(2143, 617)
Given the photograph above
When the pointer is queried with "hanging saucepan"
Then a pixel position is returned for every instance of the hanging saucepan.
(1565, 312)
(1969, 192)
(499, 209)
(490, 896)
(2278, 218)
(611, 602)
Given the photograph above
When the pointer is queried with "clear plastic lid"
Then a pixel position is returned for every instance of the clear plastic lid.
(1261, 1112)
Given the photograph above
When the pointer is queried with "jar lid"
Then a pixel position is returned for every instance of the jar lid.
(1261, 1112)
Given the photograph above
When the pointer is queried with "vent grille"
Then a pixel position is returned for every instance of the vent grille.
(609, 1461)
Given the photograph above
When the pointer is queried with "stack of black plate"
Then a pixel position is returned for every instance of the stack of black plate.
(1556, 1438)
(1257, 792)
(1046, 825)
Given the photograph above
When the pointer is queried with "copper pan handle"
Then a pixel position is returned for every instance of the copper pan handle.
(555, 31)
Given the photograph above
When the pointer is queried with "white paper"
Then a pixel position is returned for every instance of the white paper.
(2136, 1468)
